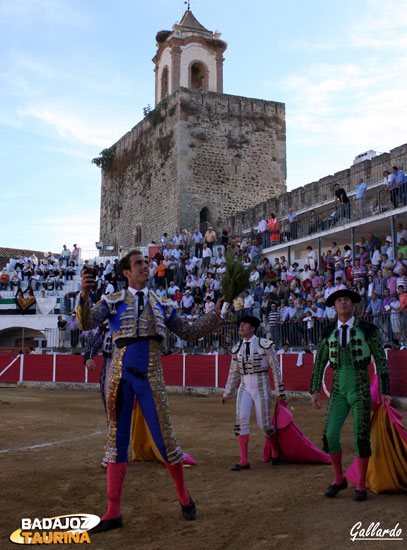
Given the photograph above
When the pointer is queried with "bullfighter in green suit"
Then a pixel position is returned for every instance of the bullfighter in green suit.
(348, 345)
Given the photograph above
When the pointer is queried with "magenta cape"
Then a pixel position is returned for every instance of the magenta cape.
(293, 445)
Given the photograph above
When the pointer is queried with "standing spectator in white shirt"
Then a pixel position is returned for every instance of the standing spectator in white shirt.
(248, 303)
(206, 255)
(390, 184)
(262, 231)
(197, 239)
(107, 273)
(312, 258)
(177, 239)
(361, 198)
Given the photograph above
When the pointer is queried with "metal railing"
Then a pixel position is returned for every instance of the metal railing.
(329, 216)
(299, 334)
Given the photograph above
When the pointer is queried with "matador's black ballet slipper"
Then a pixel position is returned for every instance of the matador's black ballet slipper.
(237, 468)
(275, 461)
(360, 496)
(189, 510)
(333, 489)
(107, 525)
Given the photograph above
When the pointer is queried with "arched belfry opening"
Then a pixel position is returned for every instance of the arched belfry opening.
(197, 77)
(203, 220)
(164, 82)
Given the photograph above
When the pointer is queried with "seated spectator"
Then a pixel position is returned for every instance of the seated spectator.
(59, 281)
(108, 288)
(220, 258)
(15, 281)
(172, 289)
(34, 281)
(161, 291)
(209, 304)
(70, 271)
(4, 280)
(395, 345)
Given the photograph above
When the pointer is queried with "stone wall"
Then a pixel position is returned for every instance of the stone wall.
(232, 154)
(140, 198)
(200, 157)
(315, 193)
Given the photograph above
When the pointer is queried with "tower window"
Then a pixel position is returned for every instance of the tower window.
(198, 77)
(164, 82)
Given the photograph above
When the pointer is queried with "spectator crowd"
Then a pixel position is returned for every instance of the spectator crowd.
(290, 299)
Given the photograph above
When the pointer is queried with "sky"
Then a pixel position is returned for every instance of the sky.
(75, 76)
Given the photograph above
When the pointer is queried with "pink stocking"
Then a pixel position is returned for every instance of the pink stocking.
(275, 451)
(177, 474)
(362, 464)
(267, 449)
(115, 479)
(243, 446)
(336, 459)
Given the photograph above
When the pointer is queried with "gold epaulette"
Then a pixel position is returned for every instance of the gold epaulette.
(115, 297)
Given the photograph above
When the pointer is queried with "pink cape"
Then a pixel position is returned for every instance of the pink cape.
(293, 445)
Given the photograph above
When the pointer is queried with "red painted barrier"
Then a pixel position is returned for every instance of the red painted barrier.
(223, 368)
(9, 371)
(70, 368)
(200, 370)
(398, 372)
(172, 368)
(38, 368)
(297, 378)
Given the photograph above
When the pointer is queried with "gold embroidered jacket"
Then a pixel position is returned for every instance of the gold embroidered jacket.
(158, 314)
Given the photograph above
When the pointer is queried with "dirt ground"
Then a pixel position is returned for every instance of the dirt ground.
(267, 507)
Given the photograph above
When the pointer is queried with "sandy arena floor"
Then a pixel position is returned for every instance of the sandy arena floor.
(267, 507)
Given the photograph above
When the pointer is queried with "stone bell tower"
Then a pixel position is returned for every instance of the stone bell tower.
(200, 156)
(189, 56)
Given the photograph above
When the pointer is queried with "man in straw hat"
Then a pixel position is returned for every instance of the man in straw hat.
(348, 344)
(252, 357)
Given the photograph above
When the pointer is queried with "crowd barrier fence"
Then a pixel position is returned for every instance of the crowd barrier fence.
(185, 370)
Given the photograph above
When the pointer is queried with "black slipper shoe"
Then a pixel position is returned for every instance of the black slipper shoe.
(237, 468)
(107, 525)
(189, 510)
(333, 489)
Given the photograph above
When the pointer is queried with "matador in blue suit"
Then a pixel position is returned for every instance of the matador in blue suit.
(138, 320)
